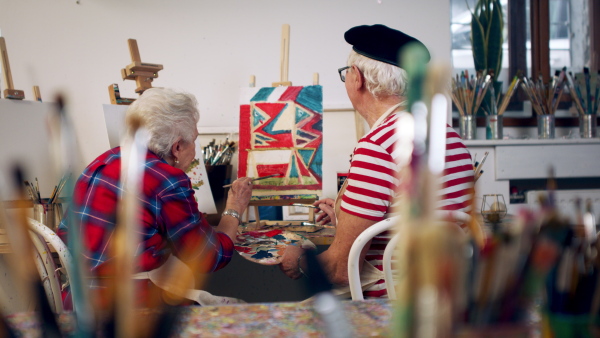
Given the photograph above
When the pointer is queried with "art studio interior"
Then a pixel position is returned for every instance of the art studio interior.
(341, 168)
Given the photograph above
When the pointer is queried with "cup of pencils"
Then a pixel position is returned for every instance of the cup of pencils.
(544, 99)
(584, 89)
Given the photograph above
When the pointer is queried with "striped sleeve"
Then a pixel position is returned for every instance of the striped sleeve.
(372, 178)
(458, 176)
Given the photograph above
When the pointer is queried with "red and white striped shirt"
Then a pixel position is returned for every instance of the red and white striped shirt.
(373, 183)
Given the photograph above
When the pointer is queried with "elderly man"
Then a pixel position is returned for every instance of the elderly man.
(376, 87)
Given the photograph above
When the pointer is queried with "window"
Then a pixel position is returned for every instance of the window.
(568, 36)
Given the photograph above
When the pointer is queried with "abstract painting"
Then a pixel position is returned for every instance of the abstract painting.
(281, 132)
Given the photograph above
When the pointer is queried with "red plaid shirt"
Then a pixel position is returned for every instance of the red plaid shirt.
(171, 222)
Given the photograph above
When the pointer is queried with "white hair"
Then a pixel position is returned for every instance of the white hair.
(168, 115)
(382, 79)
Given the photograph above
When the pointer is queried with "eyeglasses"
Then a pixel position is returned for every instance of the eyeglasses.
(342, 72)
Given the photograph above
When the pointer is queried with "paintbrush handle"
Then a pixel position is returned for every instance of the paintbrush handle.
(254, 179)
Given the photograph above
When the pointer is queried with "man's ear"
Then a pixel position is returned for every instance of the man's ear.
(359, 79)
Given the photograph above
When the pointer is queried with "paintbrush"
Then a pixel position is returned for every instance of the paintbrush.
(63, 145)
(257, 179)
(304, 205)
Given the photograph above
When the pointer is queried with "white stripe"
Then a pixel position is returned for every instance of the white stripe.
(457, 151)
(370, 186)
(365, 199)
(361, 211)
(373, 173)
(460, 174)
(454, 164)
(458, 200)
(454, 188)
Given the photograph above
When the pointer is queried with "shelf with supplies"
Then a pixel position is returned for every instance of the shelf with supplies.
(515, 166)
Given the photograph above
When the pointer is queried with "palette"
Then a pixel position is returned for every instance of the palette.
(267, 246)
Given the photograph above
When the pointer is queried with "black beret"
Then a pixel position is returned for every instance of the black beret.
(380, 42)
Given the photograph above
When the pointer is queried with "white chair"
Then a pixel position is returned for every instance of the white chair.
(354, 256)
(43, 238)
(442, 215)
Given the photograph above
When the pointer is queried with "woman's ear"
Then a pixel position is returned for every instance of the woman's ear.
(176, 149)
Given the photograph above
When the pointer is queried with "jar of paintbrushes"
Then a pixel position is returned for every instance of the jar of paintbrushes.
(47, 211)
(494, 111)
(545, 97)
(467, 95)
(584, 89)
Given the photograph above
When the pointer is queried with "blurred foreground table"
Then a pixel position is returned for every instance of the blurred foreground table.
(368, 318)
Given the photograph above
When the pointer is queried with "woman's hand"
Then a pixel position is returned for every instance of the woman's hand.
(239, 194)
(327, 213)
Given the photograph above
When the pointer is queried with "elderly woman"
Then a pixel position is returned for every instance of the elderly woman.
(376, 87)
(170, 220)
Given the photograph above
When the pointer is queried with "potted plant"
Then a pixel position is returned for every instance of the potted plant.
(487, 24)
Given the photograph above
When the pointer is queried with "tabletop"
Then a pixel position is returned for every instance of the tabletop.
(368, 318)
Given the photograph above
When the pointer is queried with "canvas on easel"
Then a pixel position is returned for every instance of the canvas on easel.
(281, 132)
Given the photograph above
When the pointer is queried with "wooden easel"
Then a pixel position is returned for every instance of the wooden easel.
(282, 203)
(284, 71)
(36, 93)
(9, 91)
(142, 72)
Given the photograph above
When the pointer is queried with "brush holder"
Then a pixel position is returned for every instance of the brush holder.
(49, 214)
(545, 126)
(467, 127)
(493, 127)
(588, 125)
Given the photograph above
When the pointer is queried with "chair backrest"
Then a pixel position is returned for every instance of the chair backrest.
(356, 249)
(442, 215)
(44, 238)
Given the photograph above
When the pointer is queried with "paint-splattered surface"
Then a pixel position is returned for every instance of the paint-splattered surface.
(369, 318)
(267, 246)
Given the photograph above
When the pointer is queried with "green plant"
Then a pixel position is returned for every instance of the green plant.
(487, 24)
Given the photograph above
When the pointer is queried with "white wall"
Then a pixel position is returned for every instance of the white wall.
(209, 48)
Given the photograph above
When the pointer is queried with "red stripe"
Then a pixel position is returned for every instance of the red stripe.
(290, 94)
(457, 181)
(371, 218)
(364, 205)
(374, 167)
(458, 157)
(455, 145)
(375, 154)
(468, 168)
(456, 194)
(371, 180)
(369, 193)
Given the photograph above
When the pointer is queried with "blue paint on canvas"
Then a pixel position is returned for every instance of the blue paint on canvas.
(294, 169)
(262, 94)
(312, 98)
(301, 114)
(316, 162)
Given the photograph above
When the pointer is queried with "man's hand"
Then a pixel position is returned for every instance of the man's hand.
(327, 213)
(289, 261)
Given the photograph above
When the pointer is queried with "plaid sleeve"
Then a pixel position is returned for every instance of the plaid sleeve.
(188, 232)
